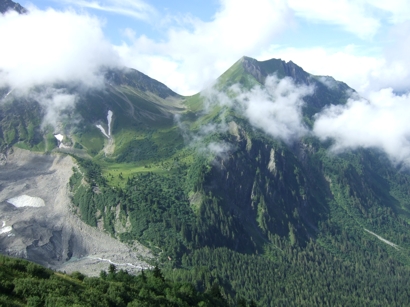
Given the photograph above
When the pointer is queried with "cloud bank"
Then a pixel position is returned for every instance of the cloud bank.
(275, 108)
(381, 121)
(350, 15)
(134, 8)
(44, 47)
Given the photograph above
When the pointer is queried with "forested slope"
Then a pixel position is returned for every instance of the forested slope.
(277, 221)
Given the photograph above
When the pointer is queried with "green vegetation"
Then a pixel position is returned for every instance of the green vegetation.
(20, 122)
(92, 140)
(299, 236)
(295, 276)
(237, 74)
(23, 283)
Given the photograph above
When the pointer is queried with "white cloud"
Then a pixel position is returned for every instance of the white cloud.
(396, 72)
(398, 10)
(43, 48)
(219, 149)
(381, 121)
(49, 46)
(275, 108)
(350, 15)
(54, 101)
(57, 104)
(133, 8)
(363, 18)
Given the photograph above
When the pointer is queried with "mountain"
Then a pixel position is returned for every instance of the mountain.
(225, 186)
(51, 234)
(7, 5)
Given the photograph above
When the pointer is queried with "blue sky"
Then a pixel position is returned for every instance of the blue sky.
(187, 44)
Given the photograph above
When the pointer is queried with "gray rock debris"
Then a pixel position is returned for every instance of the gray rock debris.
(52, 235)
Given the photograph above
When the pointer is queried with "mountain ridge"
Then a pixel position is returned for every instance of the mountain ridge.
(139, 80)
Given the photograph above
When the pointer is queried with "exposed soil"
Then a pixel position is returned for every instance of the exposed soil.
(52, 235)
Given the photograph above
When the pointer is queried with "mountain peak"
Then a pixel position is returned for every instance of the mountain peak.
(261, 69)
(7, 5)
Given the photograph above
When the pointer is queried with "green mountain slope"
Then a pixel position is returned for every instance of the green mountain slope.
(219, 198)
(139, 103)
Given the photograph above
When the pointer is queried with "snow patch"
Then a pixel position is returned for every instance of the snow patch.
(102, 130)
(5, 229)
(8, 94)
(26, 201)
(59, 137)
(109, 119)
(383, 240)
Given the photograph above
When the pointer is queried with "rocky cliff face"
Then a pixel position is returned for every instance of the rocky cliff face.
(326, 89)
(268, 190)
(260, 70)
